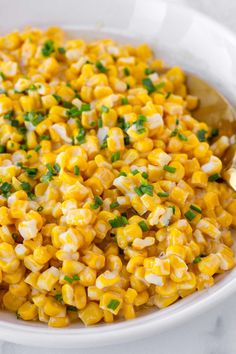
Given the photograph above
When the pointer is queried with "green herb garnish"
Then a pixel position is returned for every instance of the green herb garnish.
(101, 67)
(190, 215)
(163, 194)
(48, 48)
(214, 177)
(201, 135)
(104, 109)
(97, 202)
(169, 169)
(143, 226)
(197, 260)
(115, 157)
(61, 50)
(118, 221)
(148, 84)
(195, 208)
(126, 72)
(76, 170)
(114, 205)
(113, 304)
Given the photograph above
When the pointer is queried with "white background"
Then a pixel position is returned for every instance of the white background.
(211, 333)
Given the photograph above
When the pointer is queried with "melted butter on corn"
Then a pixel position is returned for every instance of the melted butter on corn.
(109, 193)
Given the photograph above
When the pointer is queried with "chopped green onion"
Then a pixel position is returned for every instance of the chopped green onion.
(197, 260)
(144, 189)
(138, 191)
(73, 112)
(139, 123)
(135, 172)
(15, 123)
(124, 100)
(58, 297)
(190, 215)
(148, 84)
(113, 304)
(37, 147)
(118, 221)
(168, 95)
(2, 149)
(182, 137)
(30, 171)
(195, 208)
(163, 194)
(122, 174)
(126, 140)
(40, 208)
(2, 75)
(99, 122)
(144, 175)
(104, 109)
(71, 279)
(48, 48)
(114, 205)
(126, 72)
(66, 104)
(214, 133)
(201, 135)
(101, 67)
(76, 170)
(57, 167)
(104, 143)
(44, 137)
(61, 50)
(169, 169)
(148, 71)
(143, 226)
(25, 186)
(5, 188)
(81, 136)
(174, 132)
(97, 202)
(57, 97)
(115, 157)
(71, 308)
(32, 87)
(173, 208)
(85, 107)
(214, 177)
(8, 115)
(34, 117)
(160, 86)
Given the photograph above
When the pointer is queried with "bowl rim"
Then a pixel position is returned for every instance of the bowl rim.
(124, 331)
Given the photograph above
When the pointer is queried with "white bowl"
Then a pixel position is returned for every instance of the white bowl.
(177, 34)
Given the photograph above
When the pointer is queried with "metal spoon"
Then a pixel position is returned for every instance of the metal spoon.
(217, 112)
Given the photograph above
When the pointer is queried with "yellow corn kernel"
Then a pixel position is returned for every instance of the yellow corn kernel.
(226, 256)
(141, 298)
(80, 297)
(91, 314)
(48, 279)
(27, 311)
(111, 302)
(164, 301)
(115, 140)
(79, 217)
(205, 226)
(53, 308)
(58, 322)
(106, 279)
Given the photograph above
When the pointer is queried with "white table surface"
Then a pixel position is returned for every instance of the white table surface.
(211, 333)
